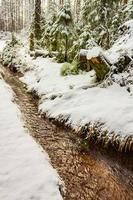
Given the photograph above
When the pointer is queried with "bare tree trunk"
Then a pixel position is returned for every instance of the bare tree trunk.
(37, 20)
(66, 49)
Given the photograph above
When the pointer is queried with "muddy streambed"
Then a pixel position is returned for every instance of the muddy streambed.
(93, 175)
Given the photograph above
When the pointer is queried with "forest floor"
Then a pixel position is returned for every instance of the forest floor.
(92, 174)
(89, 175)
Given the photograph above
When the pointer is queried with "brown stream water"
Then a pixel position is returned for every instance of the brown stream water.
(97, 174)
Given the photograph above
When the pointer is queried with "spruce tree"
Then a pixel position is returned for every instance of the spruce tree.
(99, 15)
(62, 29)
(48, 41)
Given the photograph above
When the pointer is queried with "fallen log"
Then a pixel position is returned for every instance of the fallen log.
(97, 61)
(42, 53)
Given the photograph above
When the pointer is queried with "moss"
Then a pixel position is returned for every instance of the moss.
(74, 68)
(65, 70)
(70, 69)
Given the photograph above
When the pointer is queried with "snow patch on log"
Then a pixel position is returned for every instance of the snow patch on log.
(94, 52)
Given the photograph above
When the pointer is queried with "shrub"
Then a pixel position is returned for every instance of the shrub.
(60, 57)
(11, 57)
(69, 69)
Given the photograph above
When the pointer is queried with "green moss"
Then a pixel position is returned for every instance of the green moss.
(65, 70)
(70, 69)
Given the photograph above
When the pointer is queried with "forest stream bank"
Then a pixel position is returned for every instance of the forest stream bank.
(94, 174)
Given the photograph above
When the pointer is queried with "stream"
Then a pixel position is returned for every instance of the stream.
(96, 174)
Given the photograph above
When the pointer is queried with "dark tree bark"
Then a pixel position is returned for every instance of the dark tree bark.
(37, 31)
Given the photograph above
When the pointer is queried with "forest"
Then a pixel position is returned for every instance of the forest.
(66, 99)
(66, 27)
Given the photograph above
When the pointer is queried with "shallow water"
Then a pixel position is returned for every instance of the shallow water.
(97, 174)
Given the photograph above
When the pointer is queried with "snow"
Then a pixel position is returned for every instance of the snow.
(25, 169)
(44, 77)
(4, 37)
(83, 52)
(2, 45)
(75, 100)
(94, 52)
(124, 44)
(112, 106)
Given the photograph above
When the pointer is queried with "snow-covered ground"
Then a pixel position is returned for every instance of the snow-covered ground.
(44, 77)
(73, 100)
(64, 98)
(25, 170)
(111, 106)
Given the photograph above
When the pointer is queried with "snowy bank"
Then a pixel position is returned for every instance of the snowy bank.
(67, 99)
(106, 112)
(25, 170)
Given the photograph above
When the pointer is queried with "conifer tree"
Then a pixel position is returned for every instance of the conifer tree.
(98, 15)
(63, 29)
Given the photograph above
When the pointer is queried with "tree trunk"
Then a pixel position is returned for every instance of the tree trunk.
(66, 49)
(37, 30)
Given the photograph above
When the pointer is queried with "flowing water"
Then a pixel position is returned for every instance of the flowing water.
(92, 175)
